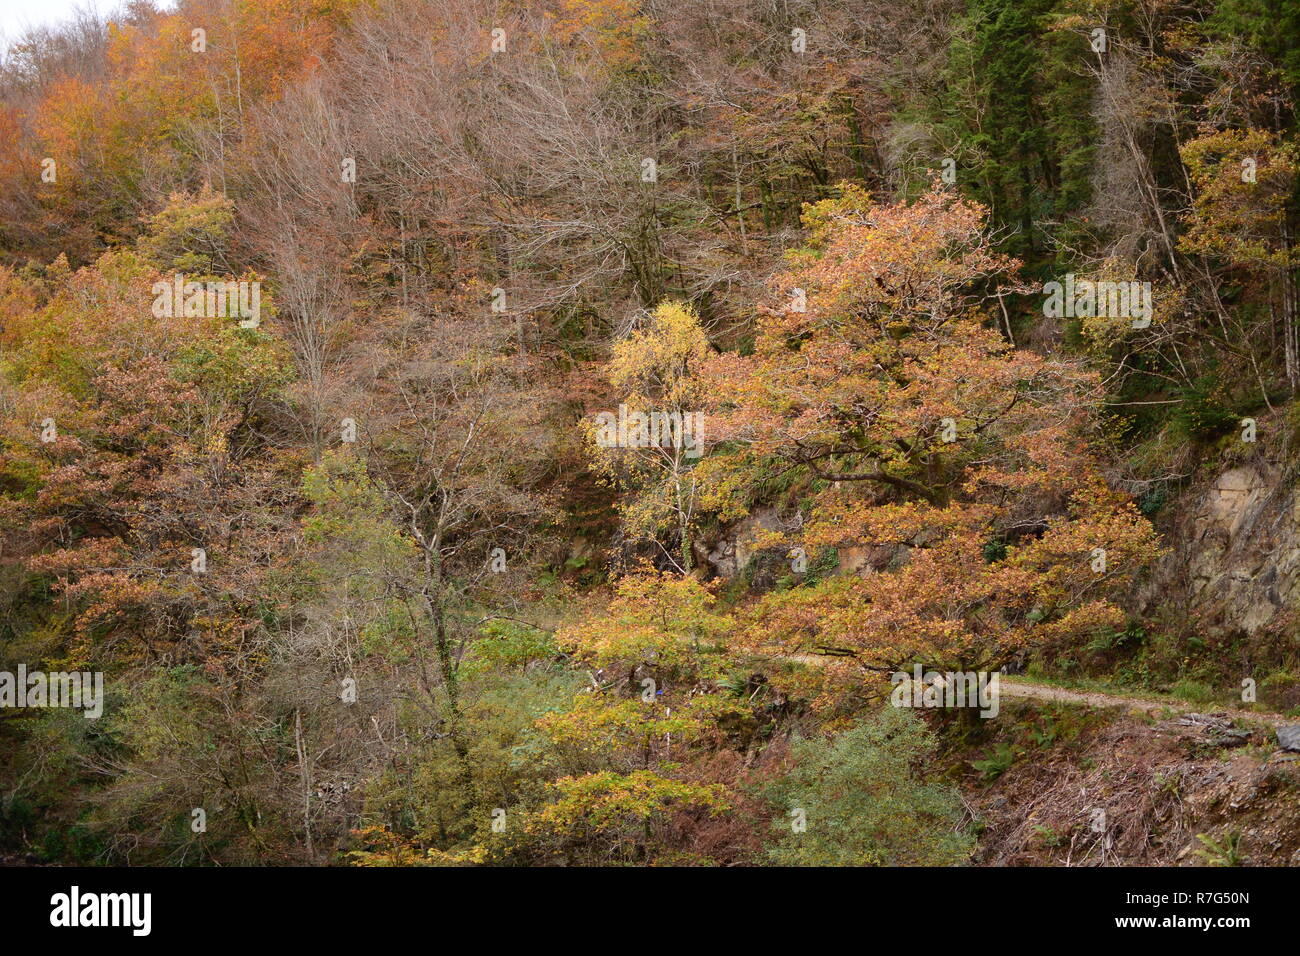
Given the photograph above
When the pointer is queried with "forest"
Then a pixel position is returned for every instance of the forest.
(645, 433)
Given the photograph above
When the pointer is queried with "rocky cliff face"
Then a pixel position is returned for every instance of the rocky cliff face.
(1234, 561)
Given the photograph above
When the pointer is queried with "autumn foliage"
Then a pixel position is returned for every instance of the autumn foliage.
(374, 578)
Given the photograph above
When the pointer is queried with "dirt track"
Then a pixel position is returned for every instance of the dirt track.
(1017, 688)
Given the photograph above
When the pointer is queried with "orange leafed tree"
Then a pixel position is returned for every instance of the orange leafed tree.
(953, 467)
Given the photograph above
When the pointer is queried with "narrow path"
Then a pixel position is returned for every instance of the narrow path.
(1011, 687)
(1018, 687)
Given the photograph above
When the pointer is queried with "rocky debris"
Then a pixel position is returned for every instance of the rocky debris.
(1221, 731)
(1288, 737)
(1157, 793)
(1205, 720)
(1233, 737)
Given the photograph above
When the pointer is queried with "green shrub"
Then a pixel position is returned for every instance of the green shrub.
(867, 801)
(1194, 692)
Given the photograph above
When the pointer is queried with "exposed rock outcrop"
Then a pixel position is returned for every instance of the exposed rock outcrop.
(1234, 560)
(728, 550)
